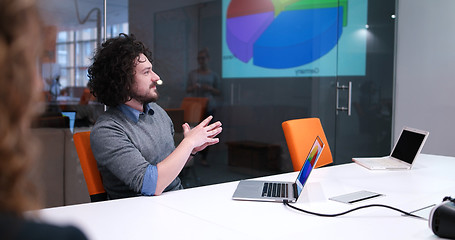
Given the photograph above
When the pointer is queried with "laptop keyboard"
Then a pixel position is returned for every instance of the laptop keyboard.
(385, 162)
(275, 190)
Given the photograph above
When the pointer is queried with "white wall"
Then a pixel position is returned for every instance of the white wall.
(425, 72)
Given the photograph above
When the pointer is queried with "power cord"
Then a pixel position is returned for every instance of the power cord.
(286, 203)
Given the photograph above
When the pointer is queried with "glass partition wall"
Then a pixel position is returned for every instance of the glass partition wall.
(74, 28)
(281, 60)
(269, 61)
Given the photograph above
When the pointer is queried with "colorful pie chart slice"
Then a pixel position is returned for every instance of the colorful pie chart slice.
(247, 20)
(284, 33)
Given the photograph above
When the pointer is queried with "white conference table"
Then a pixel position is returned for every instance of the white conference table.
(209, 212)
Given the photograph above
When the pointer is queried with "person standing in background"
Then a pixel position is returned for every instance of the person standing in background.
(203, 82)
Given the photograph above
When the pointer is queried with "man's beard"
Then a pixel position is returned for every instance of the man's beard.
(146, 99)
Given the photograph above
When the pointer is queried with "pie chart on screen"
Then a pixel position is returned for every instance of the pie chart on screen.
(280, 34)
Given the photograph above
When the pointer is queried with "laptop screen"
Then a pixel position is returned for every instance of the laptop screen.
(409, 145)
(72, 117)
(309, 164)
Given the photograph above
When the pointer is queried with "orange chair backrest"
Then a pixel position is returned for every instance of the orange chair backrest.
(88, 163)
(194, 109)
(300, 135)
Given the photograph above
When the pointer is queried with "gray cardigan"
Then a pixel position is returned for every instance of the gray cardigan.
(124, 148)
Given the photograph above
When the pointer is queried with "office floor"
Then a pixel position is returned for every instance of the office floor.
(217, 171)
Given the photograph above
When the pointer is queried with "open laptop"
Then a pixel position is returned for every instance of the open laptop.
(405, 151)
(275, 191)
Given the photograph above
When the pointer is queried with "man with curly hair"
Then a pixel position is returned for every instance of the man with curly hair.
(133, 140)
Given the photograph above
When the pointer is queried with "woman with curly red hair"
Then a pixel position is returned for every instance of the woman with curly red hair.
(20, 90)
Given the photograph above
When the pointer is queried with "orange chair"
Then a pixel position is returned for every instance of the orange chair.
(89, 168)
(194, 109)
(300, 135)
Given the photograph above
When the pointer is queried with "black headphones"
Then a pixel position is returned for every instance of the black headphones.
(442, 218)
(448, 198)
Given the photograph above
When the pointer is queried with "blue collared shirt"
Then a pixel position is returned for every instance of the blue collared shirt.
(134, 114)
